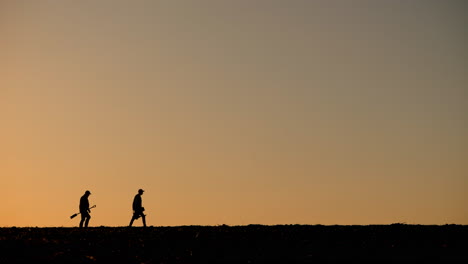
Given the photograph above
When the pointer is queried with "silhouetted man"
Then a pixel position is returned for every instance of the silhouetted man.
(84, 209)
(138, 209)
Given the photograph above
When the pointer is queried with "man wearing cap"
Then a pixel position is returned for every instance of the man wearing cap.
(138, 208)
(84, 209)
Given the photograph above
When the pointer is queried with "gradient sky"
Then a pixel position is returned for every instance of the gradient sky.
(234, 112)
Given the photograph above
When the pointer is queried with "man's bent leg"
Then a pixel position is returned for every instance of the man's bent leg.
(144, 219)
(83, 217)
(87, 220)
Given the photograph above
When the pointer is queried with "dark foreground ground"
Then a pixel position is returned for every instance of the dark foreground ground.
(237, 244)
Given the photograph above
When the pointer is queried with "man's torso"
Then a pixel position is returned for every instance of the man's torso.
(84, 204)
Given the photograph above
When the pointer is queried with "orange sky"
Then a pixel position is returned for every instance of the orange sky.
(234, 112)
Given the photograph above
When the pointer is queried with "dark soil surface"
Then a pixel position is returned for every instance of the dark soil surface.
(395, 243)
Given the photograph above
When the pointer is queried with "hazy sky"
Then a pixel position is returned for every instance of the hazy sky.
(234, 112)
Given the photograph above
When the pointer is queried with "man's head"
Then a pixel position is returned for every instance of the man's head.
(140, 191)
(87, 193)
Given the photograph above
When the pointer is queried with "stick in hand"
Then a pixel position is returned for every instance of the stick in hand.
(74, 215)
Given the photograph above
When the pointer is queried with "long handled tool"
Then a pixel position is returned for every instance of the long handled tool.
(74, 215)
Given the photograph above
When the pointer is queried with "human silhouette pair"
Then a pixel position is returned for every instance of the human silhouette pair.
(137, 207)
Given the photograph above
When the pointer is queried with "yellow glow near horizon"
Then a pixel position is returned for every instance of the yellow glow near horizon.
(234, 112)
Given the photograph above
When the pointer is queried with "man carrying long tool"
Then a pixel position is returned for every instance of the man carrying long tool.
(84, 209)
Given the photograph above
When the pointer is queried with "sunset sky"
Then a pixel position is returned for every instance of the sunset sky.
(234, 112)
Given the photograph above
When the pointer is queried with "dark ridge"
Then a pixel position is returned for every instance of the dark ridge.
(394, 243)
